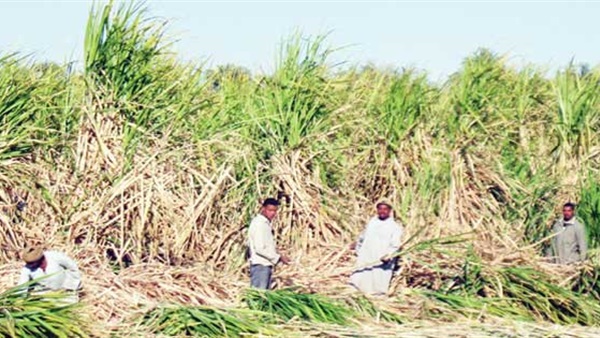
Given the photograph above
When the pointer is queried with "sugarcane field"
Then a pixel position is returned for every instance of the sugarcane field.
(146, 195)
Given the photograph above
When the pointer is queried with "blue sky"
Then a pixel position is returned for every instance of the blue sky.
(434, 36)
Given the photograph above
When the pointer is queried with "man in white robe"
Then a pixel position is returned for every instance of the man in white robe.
(375, 248)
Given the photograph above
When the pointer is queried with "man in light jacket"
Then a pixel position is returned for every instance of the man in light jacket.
(263, 253)
(56, 270)
(569, 242)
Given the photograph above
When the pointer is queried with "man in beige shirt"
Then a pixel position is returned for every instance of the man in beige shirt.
(263, 253)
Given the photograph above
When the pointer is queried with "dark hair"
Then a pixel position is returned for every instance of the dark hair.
(569, 205)
(270, 201)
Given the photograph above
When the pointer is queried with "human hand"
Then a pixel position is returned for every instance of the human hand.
(284, 260)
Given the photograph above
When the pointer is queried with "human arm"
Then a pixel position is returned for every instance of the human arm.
(358, 244)
(361, 238)
(24, 278)
(73, 275)
(66, 262)
(581, 241)
(394, 244)
(550, 251)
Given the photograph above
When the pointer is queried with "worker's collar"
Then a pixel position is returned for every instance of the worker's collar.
(265, 217)
(569, 222)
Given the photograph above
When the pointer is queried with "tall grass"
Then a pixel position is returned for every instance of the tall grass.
(589, 209)
(577, 115)
(180, 321)
(290, 305)
(365, 307)
(520, 293)
(127, 61)
(291, 110)
(31, 112)
(39, 316)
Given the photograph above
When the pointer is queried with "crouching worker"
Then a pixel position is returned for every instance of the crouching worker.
(55, 271)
